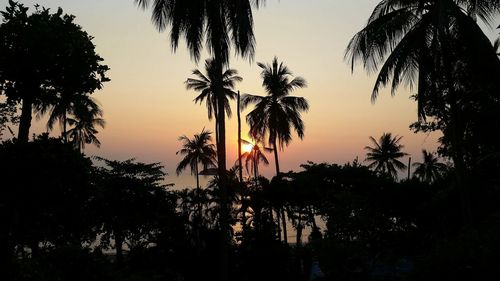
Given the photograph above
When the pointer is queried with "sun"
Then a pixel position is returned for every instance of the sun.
(246, 147)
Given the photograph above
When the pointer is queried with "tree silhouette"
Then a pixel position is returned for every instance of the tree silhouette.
(275, 114)
(384, 155)
(207, 83)
(254, 157)
(84, 123)
(197, 150)
(439, 47)
(430, 169)
(44, 55)
(220, 24)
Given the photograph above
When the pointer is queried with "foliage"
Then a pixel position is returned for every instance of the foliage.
(44, 57)
(384, 155)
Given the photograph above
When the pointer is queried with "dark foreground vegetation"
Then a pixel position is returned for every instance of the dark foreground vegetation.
(67, 216)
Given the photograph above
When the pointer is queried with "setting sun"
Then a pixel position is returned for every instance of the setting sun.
(246, 147)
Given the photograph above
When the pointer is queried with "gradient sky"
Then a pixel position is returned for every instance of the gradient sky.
(147, 107)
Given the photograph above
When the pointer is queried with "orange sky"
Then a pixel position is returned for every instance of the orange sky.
(147, 107)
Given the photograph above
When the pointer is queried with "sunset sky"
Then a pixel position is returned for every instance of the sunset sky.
(147, 107)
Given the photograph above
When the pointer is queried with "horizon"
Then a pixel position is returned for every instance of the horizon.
(147, 78)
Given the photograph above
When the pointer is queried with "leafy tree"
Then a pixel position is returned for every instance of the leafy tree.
(430, 169)
(131, 198)
(384, 155)
(7, 116)
(45, 55)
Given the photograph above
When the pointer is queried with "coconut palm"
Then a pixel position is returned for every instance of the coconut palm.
(197, 150)
(63, 105)
(277, 113)
(384, 155)
(254, 158)
(84, 124)
(430, 169)
(221, 24)
(438, 46)
(207, 86)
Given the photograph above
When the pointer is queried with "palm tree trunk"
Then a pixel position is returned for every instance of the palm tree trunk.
(25, 120)
(281, 209)
(221, 163)
(456, 132)
(239, 139)
(119, 247)
(65, 137)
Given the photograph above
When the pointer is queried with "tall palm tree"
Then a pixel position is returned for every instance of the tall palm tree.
(196, 151)
(430, 169)
(207, 85)
(277, 113)
(384, 155)
(221, 24)
(426, 43)
(84, 122)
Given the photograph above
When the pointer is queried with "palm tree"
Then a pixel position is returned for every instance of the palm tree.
(84, 121)
(430, 169)
(64, 104)
(207, 84)
(275, 114)
(221, 24)
(384, 155)
(254, 157)
(197, 150)
(439, 42)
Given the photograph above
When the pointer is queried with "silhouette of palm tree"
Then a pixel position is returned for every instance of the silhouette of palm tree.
(197, 150)
(430, 169)
(384, 155)
(84, 121)
(255, 157)
(220, 24)
(275, 114)
(207, 84)
(64, 104)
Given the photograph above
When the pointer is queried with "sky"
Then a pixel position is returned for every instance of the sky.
(147, 107)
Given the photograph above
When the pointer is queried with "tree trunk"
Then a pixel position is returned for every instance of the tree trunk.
(221, 163)
(281, 209)
(25, 120)
(239, 138)
(119, 248)
(457, 131)
(299, 232)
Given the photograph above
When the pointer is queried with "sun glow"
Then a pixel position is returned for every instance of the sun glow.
(246, 147)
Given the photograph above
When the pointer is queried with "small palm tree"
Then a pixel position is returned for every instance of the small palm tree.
(196, 151)
(207, 85)
(254, 158)
(84, 123)
(430, 169)
(384, 155)
(63, 105)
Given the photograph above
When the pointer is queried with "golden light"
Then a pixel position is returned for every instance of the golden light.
(246, 147)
